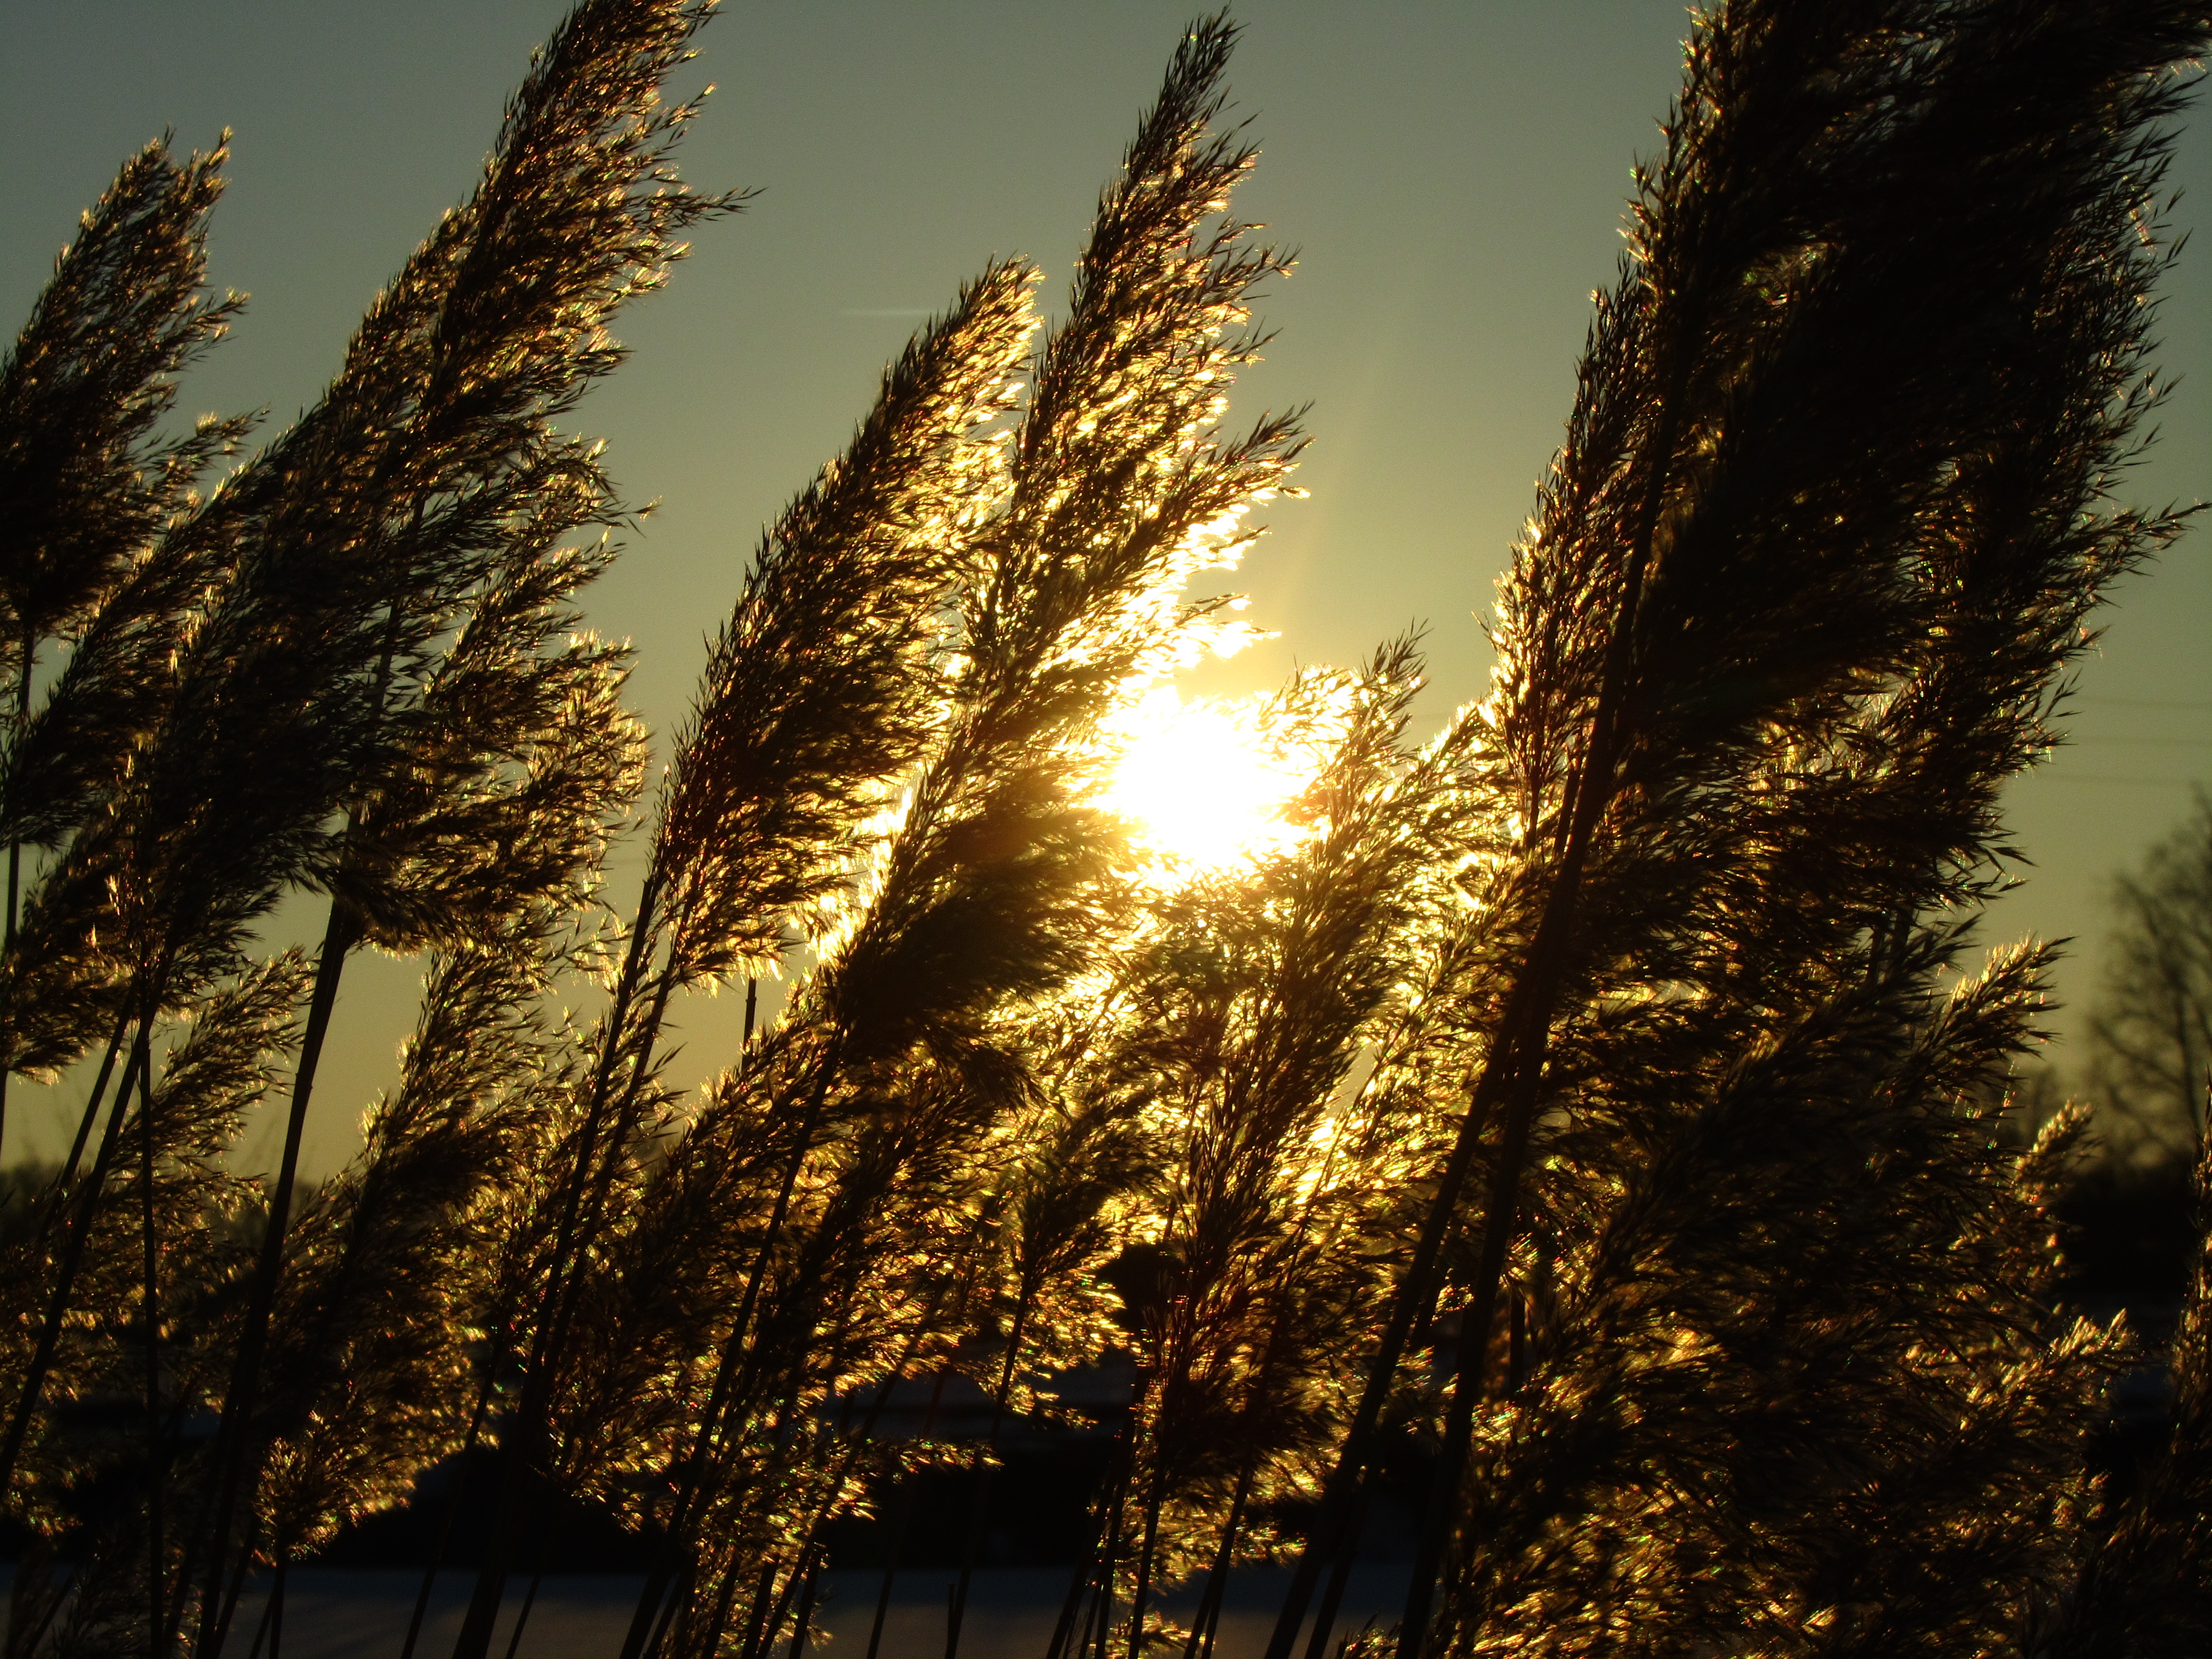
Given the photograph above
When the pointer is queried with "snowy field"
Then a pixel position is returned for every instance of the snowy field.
(363, 1615)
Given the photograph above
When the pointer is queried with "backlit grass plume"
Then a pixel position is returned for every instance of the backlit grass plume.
(91, 490)
(994, 883)
(823, 685)
(1900, 591)
(1583, 1121)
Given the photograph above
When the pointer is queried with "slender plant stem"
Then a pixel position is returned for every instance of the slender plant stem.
(1111, 1561)
(30, 1647)
(727, 1375)
(835, 1487)
(679, 1597)
(1078, 1582)
(150, 1308)
(798, 1631)
(1508, 1070)
(522, 1615)
(73, 1247)
(980, 1507)
(1155, 1496)
(756, 1613)
(774, 1627)
(16, 844)
(452, 1504)
(277, 1605)
(1085, 1575)
(1201, 1641)
(1474, 1352)
(520, 1444)
(261, 1628)
(237, 1577)
(905, 1519)
(1340, 1575)
(91, 1114)
(341, 932)
(713, 1645)
(549, 1545)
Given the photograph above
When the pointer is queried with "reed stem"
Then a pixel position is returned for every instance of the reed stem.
(16, 844)
(73, 1247)
(150, 1310)
(341, 930)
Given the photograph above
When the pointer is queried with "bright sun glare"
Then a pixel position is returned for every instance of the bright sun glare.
(1201, 783)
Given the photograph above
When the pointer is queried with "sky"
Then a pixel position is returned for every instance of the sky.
(1452, 175)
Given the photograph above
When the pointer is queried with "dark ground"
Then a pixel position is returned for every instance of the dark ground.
(2129, 1245)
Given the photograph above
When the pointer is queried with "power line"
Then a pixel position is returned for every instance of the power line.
(2144, 702)
(2145, 743)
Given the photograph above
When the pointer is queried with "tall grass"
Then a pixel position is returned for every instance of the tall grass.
(1589, 1106)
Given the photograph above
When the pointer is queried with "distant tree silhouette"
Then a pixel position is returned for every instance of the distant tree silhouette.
(2150, 1032)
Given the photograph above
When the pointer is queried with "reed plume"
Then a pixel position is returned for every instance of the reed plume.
(823, 685)
(994, 882)
(93, 493)
(1900, 596)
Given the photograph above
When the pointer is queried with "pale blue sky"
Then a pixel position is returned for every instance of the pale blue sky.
(1452, 173)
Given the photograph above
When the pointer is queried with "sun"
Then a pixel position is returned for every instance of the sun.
(1201, 783)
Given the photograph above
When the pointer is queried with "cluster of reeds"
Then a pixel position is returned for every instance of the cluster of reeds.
(1588, 1107)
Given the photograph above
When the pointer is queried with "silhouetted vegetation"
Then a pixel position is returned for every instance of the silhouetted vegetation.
(1583, 1129)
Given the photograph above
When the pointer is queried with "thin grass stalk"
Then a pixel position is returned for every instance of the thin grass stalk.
(905, 1519)
(30, 1647)
(521, 1444)
(73, 1247)
(727, 1373)
(1340, 1571)
(1508, 1066)
(763, 1642)
(1086, 1570)
(799, 1631)
(787, 1425)
(1070, 1605)
(261, 1628)
(678, 1597)
(277, 1605)
(1329, 1536)
(980, 1507)
(1468, 1380)
(802, 1564)
(453, 1505)
(15, 843)
(1471, 1364)
(787, 1418)
(833, 1490)
(91, 1114)
(803, 1290)
(1199, 1644)
(712, 1646)
(150, 1307)
(522, 1616)
(238, 1577)
(548, 1544)
(757, 1613)
(1140, 1591)
(1111, 1561)
(340, 932)
(1526, 1021)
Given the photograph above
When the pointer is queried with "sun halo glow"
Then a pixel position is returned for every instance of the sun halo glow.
(1200, 783)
